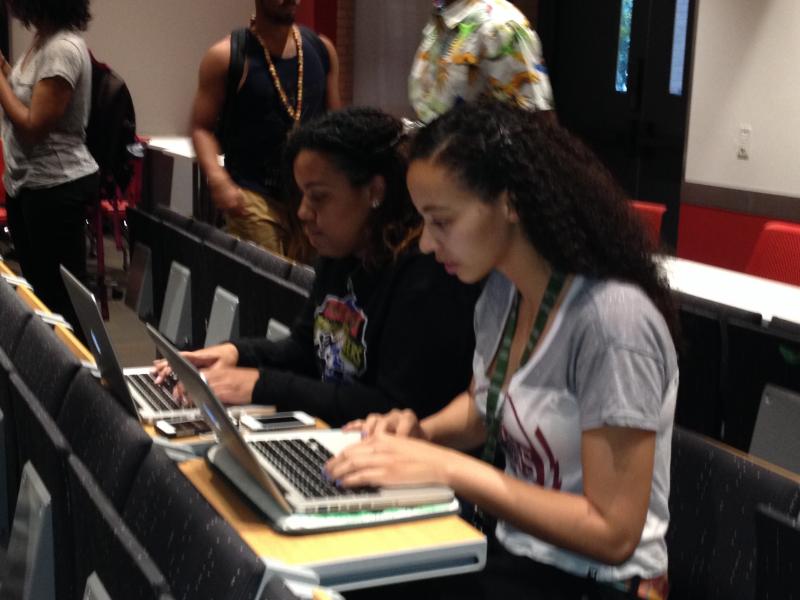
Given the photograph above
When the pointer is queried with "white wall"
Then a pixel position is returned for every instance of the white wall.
(156, 46)
(746, 72)
(387, 33)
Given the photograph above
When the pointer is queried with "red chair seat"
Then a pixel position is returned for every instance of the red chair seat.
(776, 254)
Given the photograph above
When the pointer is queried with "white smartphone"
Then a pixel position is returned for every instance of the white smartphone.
(277, 421)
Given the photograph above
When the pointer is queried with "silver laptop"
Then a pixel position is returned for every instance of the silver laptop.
(134, 387)
(282, 473)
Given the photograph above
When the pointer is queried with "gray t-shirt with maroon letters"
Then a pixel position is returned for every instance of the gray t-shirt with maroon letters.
(607, 360)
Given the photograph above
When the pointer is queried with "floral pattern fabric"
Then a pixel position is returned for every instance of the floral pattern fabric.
(476, 47)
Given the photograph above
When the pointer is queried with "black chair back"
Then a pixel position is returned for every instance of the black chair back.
(757, 356)
(14, 315)
(104, 545)
(198, 552)
(9, 460)
(778, 539)
(213, 235)
(712, 532)
(41, 443)
(273, 298)
(264, 260)
(302, 275)
(107, 440)
(45, 364)
(703, 362)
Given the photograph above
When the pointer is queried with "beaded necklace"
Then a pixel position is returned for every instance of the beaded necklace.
(294, 112)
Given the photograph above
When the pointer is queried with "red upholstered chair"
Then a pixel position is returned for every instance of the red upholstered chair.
(776, 254)
(651, 214)
(113, 209)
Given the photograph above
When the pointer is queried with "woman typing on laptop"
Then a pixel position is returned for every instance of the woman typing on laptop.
(385, 326)
(575, 373)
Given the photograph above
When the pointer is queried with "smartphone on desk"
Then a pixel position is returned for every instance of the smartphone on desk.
(277, 421)
(180, 428)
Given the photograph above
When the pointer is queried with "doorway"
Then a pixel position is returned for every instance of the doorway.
(620, 76)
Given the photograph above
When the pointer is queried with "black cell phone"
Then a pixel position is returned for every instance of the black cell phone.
(277, 421)
(179, 428)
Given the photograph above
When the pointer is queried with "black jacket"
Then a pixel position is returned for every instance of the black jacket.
(404, 340)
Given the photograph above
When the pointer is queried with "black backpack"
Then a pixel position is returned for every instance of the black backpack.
(235, 72)
(111, 131)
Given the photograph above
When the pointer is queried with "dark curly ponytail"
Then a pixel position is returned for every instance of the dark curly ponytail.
(570, 207)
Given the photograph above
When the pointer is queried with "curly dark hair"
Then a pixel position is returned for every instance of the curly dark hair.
(362, 143)
(570, 208)
(56, 14)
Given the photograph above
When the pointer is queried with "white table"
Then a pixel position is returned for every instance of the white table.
(769, 298)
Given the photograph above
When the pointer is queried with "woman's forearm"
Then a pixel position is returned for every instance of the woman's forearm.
(457, 425)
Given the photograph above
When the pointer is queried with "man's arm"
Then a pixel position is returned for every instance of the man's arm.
(334, 98)
(208, 103)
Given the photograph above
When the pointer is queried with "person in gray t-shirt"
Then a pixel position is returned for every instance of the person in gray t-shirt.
(50, 176)
(574, 373)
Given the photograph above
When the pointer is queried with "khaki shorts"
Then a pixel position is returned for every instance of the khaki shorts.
(265, 223)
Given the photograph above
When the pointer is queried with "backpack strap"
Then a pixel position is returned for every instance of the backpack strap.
(235, 71)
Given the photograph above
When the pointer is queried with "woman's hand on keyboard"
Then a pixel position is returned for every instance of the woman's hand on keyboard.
(389, 460)
(221, 355)
(401, 422)
(213, 357)
(232, 385)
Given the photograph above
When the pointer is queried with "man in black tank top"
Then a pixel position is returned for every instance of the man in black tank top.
(290, 75)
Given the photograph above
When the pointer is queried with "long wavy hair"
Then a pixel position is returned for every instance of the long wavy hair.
(570, 208)
(57, 14)
(362, 143)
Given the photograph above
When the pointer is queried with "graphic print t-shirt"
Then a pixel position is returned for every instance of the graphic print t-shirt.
(339, 338)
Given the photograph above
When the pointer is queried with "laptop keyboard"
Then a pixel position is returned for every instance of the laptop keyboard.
(159, 397)
(302, 463)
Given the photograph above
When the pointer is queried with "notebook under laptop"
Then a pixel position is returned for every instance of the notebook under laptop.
(282, 475)
(133, 387)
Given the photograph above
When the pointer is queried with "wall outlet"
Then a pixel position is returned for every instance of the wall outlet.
(743, 139)
(742, 154)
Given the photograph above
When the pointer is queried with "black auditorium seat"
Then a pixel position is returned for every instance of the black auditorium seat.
(272, 298)
(778, 542)
(213, 235)
(105, 546)
(199, 553)
(170, 216)
(45, 364)
(185, 248)
(711, 540)
(14, 315)
(145, 230)
(9, 459)
(41, 443)
(104, 436)
(302, 275)
(264, 260)
(757, 356)
(703, 362)
(222, 268)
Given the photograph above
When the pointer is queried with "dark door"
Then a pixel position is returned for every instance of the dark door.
(634, 117)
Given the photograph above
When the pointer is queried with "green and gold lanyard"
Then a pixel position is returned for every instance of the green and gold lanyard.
(494, 409)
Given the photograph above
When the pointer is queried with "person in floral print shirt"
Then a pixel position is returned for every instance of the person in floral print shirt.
(472, 48)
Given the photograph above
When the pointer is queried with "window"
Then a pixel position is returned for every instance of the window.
(678, 47)
(623, 49)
